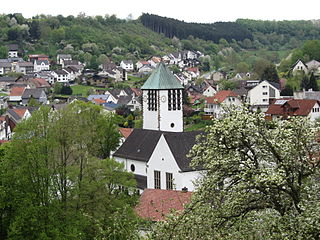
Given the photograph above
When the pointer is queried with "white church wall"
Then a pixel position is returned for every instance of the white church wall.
(170, 120)
(163, 160)
(188, 179)
(139, 166)
(150, 118)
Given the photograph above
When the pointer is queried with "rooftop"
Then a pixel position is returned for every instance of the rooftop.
(162, 78)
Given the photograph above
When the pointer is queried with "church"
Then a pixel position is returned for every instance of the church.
(157, 153)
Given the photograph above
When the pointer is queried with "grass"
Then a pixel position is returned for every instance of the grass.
(82, 90)
(3, 94)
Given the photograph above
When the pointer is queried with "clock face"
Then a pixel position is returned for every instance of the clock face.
(145, 98)
(163, 98)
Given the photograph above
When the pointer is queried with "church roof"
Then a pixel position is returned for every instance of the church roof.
(162, 78)
(142, 142)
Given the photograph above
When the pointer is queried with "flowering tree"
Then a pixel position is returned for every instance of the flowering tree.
(262, 182)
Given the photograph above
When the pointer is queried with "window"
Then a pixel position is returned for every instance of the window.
(174, 100)
(152, 100)
(264, 86)
(157, 180)
(169, 181)
(264, 100)
(265, 93)
(132, 167)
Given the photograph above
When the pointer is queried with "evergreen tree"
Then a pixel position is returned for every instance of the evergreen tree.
(313, 83)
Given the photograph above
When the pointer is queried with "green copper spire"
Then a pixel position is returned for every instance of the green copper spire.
(161, 78)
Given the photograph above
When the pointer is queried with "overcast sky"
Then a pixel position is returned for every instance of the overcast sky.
(205, 11)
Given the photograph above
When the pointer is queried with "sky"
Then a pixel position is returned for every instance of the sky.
(201, 11)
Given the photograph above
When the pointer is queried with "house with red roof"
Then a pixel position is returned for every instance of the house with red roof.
(284, 108)
(194, 71)
(16, 94)
(156, 204)
(216, 105)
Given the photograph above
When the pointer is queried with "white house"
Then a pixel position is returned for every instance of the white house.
(157, 154)
(63, 57)
(216, 105)
(61, 76)
(13, 51)
(260, 95)
(209, 91)
(16, 94)
(127, 65)
(299, 66)
(41, 65)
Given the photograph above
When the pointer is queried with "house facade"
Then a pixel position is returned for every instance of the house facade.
(284, 108)
(41, 65)
(260, 95)
(216, 105)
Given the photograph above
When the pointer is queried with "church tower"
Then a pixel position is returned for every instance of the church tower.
(162, 101)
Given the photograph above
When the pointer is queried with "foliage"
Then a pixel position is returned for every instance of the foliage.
(261, 182)
(59, 182)
(66, 90)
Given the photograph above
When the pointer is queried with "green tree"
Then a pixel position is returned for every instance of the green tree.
(261, 182)
(57, 88)
(3, 52)
(270, 73)
(56, 184)
(242, 67)
(313, 83)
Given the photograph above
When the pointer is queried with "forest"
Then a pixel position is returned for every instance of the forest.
(214, 32)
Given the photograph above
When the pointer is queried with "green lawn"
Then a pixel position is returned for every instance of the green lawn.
(194, 127)
(83, 90)
(3, 94)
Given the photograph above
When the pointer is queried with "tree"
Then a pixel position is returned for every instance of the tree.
(313, 83)
(57, 88)
(242, 67)
(66, 90)
(58, 184)
(270, 73)
(261, 181)
(3, 52)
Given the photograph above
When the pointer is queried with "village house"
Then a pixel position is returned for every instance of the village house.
(261, 94)
(284, 108)
(157, 154)
(25, 67)
(5, 67)
(13, 50)
(34, 57)
(61, 76)
(37, 94)
(210, 91)
(127, 65)
(63, 57)
(299, 66)
(41, 65)
(16, 94)
(47, 75)
(216, 105)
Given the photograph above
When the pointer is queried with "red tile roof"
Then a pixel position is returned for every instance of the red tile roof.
(144, 62)
(193, 69)
(98, 101)
(40, 82)
(20, 111)
(125, 132)
(220, 96)
(137, 91)
(291, 107)
(17, 91)
(155, 204)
